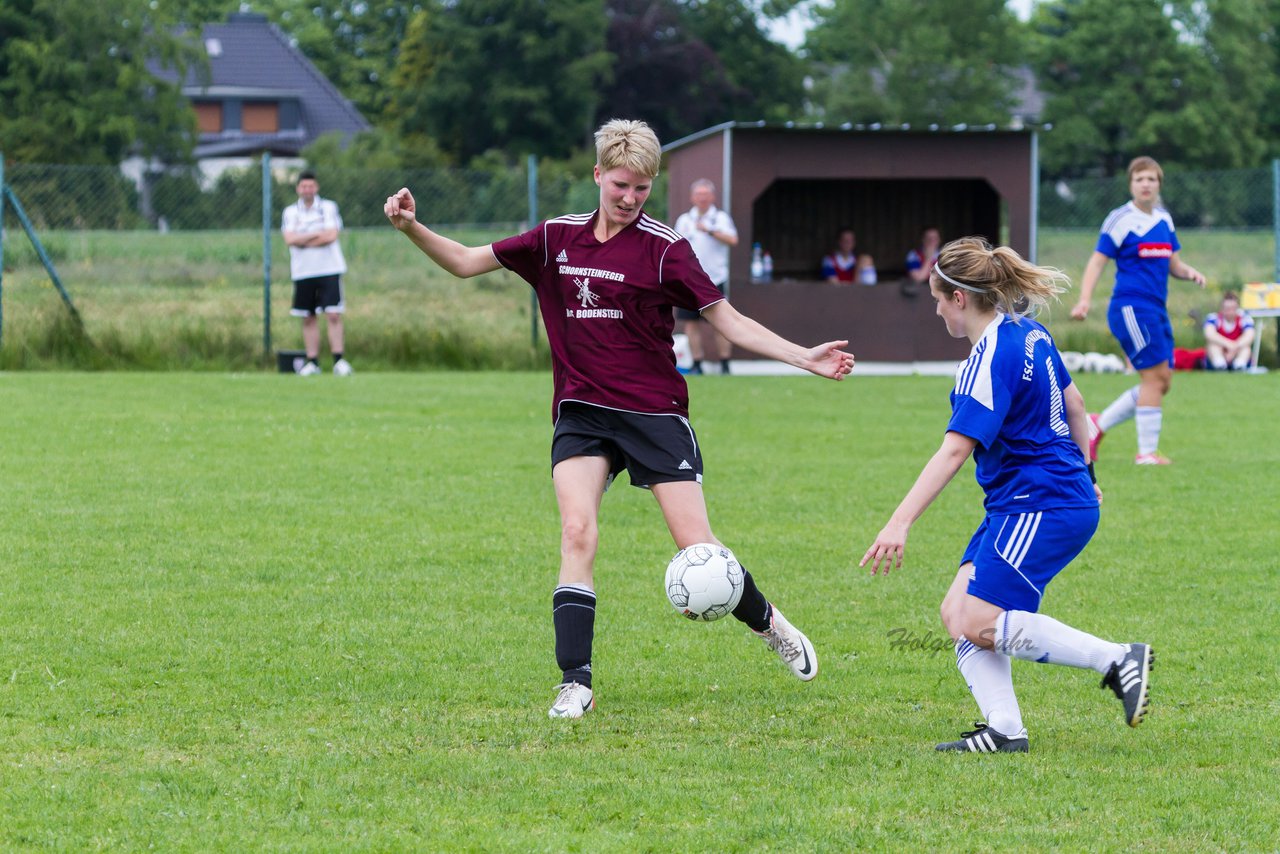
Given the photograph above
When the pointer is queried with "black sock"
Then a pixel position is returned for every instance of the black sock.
(573, 611)
(337, 357)
(754, 609)
(724, 365)
(313, 360)
(697, 366)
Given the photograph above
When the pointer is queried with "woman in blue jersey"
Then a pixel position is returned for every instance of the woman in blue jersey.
(1017, 413)
(1140, 237)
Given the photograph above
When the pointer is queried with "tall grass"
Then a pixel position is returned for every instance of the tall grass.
(193, 301)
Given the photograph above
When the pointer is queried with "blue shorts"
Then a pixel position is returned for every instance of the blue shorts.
(1143, 331)
(1015, 557)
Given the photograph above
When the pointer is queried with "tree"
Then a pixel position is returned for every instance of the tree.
(683, 65)
(515, 75)
(663, 73)
(75, 86)
(896, 61)
(1187, 83)
(768, 79)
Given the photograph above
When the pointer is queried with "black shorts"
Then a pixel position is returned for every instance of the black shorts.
(652, 448)
(689, 314)
(318, 295)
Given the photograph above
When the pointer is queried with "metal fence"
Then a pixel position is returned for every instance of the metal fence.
(96, 197)
(64, 203)
(1227, 199)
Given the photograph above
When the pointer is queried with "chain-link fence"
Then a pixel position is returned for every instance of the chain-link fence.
(1226, 199)
(182, 269)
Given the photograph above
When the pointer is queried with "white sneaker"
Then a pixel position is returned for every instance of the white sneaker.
(573, 701)
(342, 368)
(310, 369)
(791, 646)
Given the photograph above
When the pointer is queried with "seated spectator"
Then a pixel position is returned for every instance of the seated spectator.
(865, 274)
(845, 265)
(1228, 335)
(921, 259)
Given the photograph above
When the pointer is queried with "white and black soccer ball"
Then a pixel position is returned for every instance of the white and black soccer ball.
(704, 582)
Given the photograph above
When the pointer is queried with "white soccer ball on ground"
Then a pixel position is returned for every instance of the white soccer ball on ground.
(704, 582)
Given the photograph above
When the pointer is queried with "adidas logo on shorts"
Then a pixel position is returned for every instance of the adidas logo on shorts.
(684, 466)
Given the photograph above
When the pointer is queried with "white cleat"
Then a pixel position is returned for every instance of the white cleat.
(791, 646)
(342, 368)
(573, 701)
(310, 369)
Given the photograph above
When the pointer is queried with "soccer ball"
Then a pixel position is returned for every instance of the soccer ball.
(704, 582)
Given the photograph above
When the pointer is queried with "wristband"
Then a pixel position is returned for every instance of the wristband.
(1093, 477)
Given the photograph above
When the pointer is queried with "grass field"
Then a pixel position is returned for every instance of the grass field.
(243, 612)
(193, 301)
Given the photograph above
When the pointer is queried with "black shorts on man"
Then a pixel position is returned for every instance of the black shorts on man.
(652, 448)
(689, 314)
(318, 295)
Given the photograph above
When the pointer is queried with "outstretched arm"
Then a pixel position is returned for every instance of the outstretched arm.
(452, 256)
(891, 542)
(826, 360)
(1088, 281)
(1180, 269)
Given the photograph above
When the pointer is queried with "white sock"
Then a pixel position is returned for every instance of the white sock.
(1148, 418)
(1036, 637)
(1120, 410)
(1242, 361)
(1217, 360)
(990, 681)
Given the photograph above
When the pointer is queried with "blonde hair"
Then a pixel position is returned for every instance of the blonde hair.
(628, 144)
(996, 277)
(1143, 164)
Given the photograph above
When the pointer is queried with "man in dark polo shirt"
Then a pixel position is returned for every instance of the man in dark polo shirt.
(607, 282)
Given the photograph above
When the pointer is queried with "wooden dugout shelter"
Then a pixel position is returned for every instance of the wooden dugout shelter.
(791, 188)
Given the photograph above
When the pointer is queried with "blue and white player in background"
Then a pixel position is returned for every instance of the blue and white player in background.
(1140, 237)
(1016, 411)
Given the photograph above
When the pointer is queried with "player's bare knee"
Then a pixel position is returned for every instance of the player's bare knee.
(578, 536)
(950, 613)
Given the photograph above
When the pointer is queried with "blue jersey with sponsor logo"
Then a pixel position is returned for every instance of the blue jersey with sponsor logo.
(1141, 244)
(1008, 398)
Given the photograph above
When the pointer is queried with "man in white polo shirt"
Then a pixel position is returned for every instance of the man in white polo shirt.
(710, 231)
(316, 264)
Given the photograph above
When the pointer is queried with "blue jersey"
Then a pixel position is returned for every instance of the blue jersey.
(1141, 245)
(1008, 398)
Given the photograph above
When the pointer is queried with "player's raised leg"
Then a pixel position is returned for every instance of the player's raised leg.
(579, 484)
(685, 510)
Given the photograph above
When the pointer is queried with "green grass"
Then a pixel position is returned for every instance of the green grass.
(193, 301)
(245, 612)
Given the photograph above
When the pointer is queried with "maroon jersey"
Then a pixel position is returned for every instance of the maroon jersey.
(607, 308)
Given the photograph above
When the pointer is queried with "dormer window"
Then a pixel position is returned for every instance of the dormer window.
(260, 117)
(213, 47)
(208, 116)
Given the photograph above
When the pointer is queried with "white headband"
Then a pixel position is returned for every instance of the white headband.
(937, 268)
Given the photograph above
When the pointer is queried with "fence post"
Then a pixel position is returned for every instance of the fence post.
(533, 220)
(1, 248)
(1275, 214)
(266, 257)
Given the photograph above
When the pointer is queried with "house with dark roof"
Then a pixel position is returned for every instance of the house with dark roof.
(260, 94)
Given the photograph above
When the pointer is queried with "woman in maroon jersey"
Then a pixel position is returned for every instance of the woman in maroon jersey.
(606, 283)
